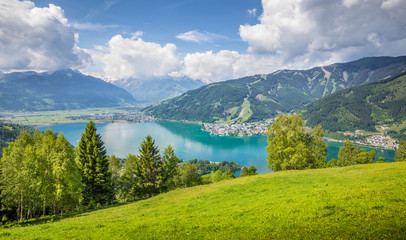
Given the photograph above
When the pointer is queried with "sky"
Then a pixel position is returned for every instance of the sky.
(208, 40)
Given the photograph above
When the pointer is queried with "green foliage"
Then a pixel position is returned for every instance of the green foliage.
(350, 155)
(332, 163)
(206, 167)
(252, 170)
(244, 172)
(148, 167)
(401, 152)
(39, 175)
(9, 133)
(94, 166)
(289, 147)
(363, 107)
(115, 168)
(130, 188)
(356, 202)
(189, 175)
(171, 169)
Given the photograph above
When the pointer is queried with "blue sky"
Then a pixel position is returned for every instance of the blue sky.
(209, 40)
(161, 21)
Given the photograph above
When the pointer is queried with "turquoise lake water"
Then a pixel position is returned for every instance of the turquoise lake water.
(188, 140)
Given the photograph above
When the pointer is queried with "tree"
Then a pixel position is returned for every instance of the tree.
(94, 166)
(332, 163)
(351, 155)
(67, 178)
(170, 168)
(129, 187)
(217, 176)
(290, 147)
(400, 154)
(189, 175)
(149, 167)
(346, 154)
(115, 169)
(244, 172)
(252, 170)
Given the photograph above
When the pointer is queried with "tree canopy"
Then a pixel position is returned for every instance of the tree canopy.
(290, 147)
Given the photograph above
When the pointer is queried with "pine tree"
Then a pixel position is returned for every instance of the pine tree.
(94, 166)
(170, 168)
(149, 167)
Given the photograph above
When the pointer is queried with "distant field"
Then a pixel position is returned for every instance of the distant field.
(52, 117)
(357, 202)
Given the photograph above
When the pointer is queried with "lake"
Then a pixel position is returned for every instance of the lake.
(188, 140)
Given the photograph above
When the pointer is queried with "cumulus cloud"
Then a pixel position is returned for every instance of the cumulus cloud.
(198, 37)
(223, 65)
(124, 58)
(33, 38)
(313, 30)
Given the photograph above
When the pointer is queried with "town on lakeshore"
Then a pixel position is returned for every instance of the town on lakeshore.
(260, 128)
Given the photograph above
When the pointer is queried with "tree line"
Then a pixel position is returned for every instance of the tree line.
(43, 174)
(290, 147)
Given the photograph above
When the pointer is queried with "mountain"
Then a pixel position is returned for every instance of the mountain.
(152, 91)
(260, 97)
(364, 107)
(64, 89)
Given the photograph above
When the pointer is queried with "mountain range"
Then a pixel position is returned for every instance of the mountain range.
(365, 107)
(260, 97)
(59, 90)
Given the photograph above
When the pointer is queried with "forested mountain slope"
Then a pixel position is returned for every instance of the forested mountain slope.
(364, 107)
(263, 96)
(9, 133)
(60, 90)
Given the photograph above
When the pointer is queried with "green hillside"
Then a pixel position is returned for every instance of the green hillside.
(357, 202)
(364, 107)
(260, 97)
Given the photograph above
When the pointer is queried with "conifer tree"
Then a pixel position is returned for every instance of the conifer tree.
(170, 168)
(94, 166)
(149, 167)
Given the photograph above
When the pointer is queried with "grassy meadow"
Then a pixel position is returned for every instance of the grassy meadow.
(356, 202)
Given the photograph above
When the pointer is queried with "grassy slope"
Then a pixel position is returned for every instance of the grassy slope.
(346, 203)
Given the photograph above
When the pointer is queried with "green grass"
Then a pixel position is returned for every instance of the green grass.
(357, 202)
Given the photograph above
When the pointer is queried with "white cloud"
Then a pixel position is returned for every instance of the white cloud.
(389, 4)
(224, 65)
(295, 30)
(252, 12)
(125, 58)
(33, 38)
(198, 37)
